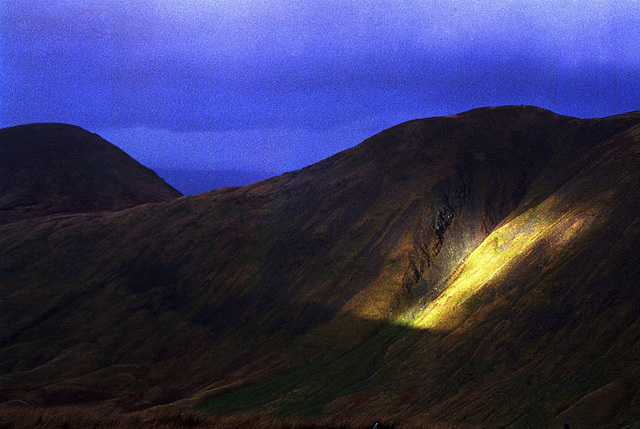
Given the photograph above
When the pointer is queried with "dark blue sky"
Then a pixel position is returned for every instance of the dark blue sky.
(277, 85)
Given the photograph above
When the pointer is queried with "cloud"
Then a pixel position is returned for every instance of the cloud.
(233, 66)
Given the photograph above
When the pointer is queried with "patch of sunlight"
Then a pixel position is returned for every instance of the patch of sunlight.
(549, 224)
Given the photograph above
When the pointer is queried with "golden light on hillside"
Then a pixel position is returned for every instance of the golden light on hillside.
(546, 225)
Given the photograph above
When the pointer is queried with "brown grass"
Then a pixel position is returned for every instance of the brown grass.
(19, 417)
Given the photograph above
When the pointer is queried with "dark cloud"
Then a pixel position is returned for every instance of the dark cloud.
(197, 66)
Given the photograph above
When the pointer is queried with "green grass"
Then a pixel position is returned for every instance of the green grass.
(472, 303)
(304, 391)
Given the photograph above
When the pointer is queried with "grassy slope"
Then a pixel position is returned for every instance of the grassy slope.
(309, 293)
(505, 341)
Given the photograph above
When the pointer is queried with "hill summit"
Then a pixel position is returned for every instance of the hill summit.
(472, 270)
(58, 168)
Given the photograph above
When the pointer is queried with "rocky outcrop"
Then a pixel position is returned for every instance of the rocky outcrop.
(429, 237)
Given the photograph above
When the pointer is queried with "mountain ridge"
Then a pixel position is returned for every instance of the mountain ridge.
(321, 288)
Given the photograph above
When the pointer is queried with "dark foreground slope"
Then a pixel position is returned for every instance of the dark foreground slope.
(478, 269)
(58, 168)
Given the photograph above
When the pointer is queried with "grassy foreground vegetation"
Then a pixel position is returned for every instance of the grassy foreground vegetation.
(87, 417)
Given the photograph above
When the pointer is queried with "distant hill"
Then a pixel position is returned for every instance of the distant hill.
(58, 168)
(473, 270)
(191, 182)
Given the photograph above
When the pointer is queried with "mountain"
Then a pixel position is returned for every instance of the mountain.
(57, 168)
(472, 270)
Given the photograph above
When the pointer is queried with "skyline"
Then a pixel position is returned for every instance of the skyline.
(278, 85)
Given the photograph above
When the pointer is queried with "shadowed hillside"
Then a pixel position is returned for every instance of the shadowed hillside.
(477, 270)
(57, 168)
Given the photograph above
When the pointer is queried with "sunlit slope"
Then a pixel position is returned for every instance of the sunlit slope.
(555, 225)
(541, 324)
(586, 203)
(590, 203)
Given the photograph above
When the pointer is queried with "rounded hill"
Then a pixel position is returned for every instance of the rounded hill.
(57, 168)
